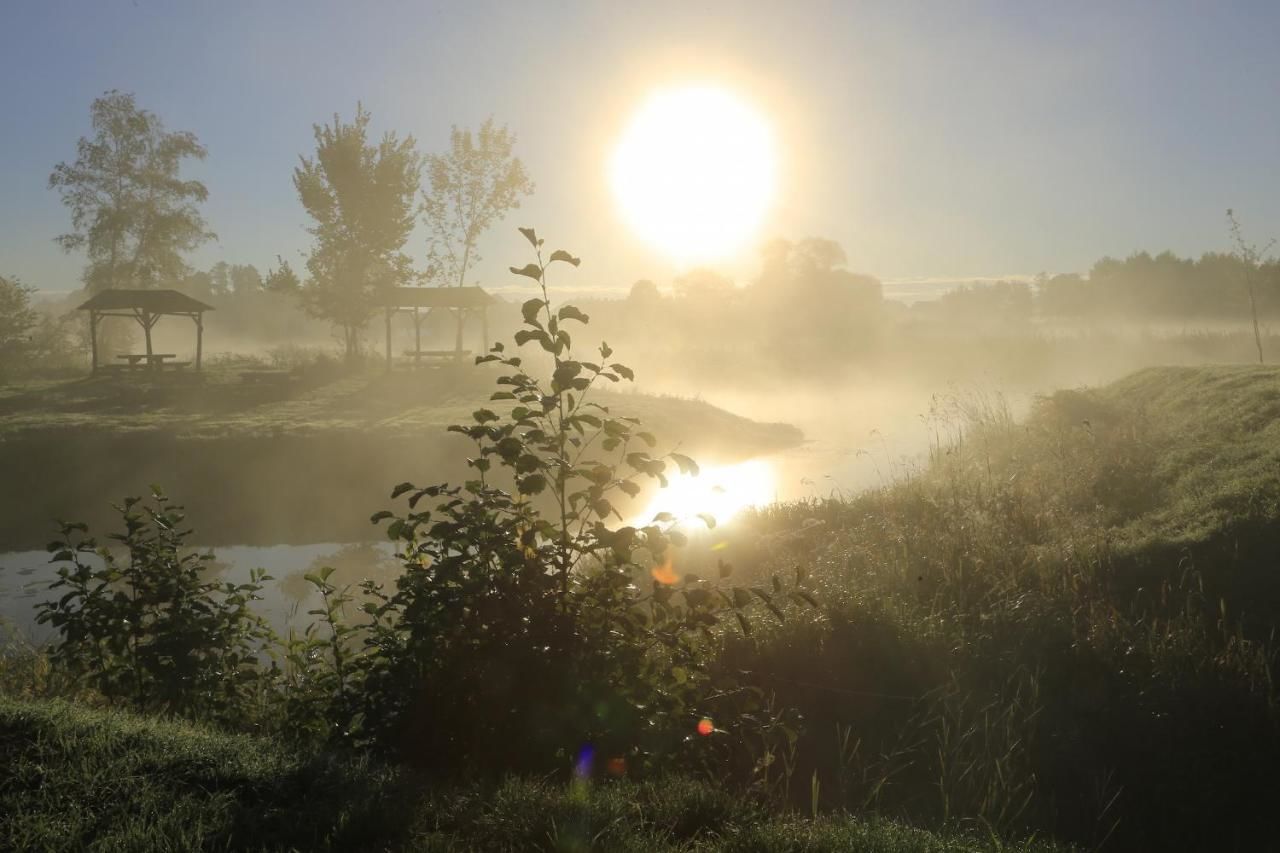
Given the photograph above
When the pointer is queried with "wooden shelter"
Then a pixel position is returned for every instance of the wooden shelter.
(463, 302)
(147, 307)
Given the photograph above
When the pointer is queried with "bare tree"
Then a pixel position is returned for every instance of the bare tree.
(1251, 258)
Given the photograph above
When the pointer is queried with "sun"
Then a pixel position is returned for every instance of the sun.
(694, 172)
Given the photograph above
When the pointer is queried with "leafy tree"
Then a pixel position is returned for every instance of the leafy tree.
(131, 211)
(360, 196)
(704, 284)
(282, 279)
(473, 186)
(815, 308)
(17, 319)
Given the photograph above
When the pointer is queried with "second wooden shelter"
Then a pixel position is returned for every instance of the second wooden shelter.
(462, 302)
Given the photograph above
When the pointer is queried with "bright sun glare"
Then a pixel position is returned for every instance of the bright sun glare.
(694, 172)
(721, 490)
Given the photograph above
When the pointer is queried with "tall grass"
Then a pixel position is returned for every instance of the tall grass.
(1007, 644)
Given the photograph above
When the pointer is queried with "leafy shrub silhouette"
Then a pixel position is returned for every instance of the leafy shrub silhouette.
(147, 628)
(525, 629)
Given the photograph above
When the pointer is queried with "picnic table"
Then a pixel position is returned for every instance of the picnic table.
(155, 360)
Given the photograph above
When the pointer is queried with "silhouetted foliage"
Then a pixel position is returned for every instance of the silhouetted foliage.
(17, 319)
(146, 627)
(525, 626)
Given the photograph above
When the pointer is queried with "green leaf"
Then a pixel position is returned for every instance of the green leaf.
(623, 371)
(708, 519)
(562, 255)
(532, 484)
(530, 310)
(531, 236)
(686, 465)
(532, 271)
(569, 312)
(382, 515)
(401, 489)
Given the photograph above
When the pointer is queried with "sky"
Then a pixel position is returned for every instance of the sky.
(945, 140)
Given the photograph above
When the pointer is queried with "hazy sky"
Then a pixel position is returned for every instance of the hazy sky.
(946, 139)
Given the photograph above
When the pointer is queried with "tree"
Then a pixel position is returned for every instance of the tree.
(703, 284)
(131, 212)
(473, 186)
(361, 198)
(282, 279)
(17, 319)
(815, 308)
(1252, 259)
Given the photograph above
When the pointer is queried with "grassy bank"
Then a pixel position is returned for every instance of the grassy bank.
(80, 779)
(1063, 624)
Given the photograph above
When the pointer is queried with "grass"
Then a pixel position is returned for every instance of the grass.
(1062, 625)
(83, 779)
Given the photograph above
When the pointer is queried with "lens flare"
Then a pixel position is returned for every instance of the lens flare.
(705, 726)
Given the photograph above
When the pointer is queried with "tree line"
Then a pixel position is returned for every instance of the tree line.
(136, 218)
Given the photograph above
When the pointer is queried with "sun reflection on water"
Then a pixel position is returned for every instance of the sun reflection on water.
(721, 491)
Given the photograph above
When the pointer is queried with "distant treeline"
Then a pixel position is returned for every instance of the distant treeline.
(1140, 287)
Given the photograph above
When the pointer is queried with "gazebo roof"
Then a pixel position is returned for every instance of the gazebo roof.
(151, 301)
(437, 297)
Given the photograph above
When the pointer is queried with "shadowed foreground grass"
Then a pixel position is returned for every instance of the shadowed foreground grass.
(82, 779)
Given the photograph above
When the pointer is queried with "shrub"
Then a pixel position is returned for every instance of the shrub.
(146, 628)
(526, 632)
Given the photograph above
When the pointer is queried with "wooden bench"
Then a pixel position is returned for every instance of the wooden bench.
(154, 360)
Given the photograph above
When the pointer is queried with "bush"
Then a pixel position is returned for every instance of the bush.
(146, 628)
(525, 632)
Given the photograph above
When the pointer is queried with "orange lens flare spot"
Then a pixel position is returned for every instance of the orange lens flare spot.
(665, 573)
(705, 726)
(617, 767)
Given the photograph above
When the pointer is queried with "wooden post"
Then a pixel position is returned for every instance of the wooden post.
(388, 340)
(199, 338)
(93, 339)
(457, 342)
(484, 326)
(417, 332)
(146, 327)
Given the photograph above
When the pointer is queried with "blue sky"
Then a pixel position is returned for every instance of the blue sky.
(948, 139)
